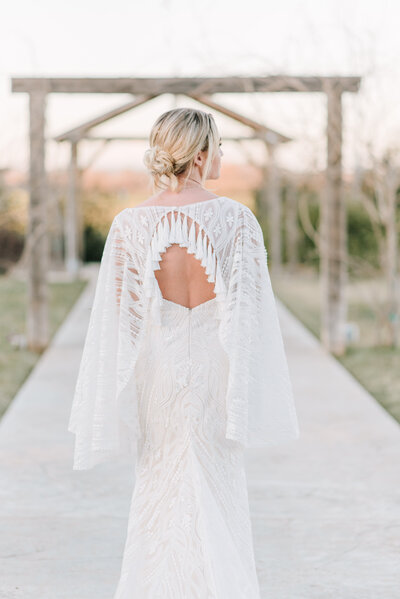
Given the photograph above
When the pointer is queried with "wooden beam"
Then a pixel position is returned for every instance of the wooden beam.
(180, 85)
(77, 132)
(71, 212)
(292, 228)
(333, 231)
(274, 211)
(37, 238)
(89, 137)
(269, 135)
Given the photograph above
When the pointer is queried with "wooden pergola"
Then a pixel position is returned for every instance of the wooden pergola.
(333, 226)
(269, 137)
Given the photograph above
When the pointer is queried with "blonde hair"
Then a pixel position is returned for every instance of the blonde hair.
(175, 139)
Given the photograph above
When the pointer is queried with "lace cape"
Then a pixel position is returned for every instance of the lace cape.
(230, 245)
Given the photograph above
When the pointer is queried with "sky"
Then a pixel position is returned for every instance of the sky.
(179, 38)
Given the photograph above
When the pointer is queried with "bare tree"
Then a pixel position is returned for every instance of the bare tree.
(378, 193)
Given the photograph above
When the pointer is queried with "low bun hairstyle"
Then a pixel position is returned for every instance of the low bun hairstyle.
(175, 140)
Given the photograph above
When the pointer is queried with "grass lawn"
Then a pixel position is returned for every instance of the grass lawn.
(16, 364)
(377, 368)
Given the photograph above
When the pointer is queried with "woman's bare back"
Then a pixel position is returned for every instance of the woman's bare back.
(181, 278)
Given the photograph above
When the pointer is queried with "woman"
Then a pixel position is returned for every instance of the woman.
(183, 367)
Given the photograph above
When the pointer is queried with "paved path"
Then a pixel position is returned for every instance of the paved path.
(325, 509)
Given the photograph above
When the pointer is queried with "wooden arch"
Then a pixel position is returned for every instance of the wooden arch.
(333, 229)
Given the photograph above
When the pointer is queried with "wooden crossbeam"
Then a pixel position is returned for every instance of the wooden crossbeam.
(77, 132)
(88, 137)
(180, 85)
(265, 133)
(269, 135)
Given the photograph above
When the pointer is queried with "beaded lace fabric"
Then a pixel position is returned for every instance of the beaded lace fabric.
(184, 391)
(189, 532)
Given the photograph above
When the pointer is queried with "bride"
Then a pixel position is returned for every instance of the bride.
(184, 367)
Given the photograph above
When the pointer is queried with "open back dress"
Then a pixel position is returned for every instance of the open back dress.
(184, 391)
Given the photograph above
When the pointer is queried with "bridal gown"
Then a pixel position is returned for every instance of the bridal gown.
(189, 532)
(183, 391)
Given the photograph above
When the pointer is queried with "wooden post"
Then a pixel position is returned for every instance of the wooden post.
(262, 205)
(80, 216)
(37, 239)
(392, 257)
(71, 219)
(292, 229)
(275, 212)
(333, 231)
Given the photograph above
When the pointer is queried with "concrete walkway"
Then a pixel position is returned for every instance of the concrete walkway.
(325, 509)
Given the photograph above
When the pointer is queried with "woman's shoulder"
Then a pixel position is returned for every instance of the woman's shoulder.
(127, 213)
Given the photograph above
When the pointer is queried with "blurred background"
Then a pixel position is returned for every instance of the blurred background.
(275, 144)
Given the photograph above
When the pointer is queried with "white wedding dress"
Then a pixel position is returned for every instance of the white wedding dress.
(189, 532)
(183, 391)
